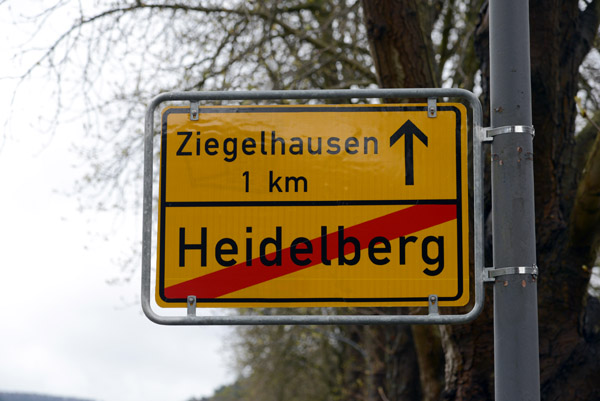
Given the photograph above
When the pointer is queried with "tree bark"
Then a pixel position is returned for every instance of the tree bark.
(561, 36)
(563, 283)
(399, 37)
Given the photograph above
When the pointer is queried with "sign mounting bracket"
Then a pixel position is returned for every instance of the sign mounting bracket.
(432, 107)
(433, 305)
(191, 305)
(491, 274)
(194, 111)
(490, 133)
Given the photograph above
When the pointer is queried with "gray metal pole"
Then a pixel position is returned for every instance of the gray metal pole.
(516, 348)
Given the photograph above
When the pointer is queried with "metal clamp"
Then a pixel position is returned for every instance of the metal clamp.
(191, 305)
(194, 111)
(490, 133)
(490, 273)
(431, 107)
(432, 301)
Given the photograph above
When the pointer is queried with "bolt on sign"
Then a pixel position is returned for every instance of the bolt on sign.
(323, 205)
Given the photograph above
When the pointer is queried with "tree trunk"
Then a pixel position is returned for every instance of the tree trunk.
(561, 36)
(400, 42)
(568, 361)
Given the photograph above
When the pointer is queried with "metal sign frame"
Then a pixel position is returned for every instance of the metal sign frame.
(433, 316)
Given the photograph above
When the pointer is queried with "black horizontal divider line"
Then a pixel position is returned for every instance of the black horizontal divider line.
(309, 203)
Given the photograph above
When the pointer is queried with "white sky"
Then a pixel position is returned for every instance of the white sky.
(63, 329)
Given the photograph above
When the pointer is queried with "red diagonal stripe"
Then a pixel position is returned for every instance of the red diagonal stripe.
(240, 276)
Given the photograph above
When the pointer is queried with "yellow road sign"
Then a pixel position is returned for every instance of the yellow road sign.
(330, 205)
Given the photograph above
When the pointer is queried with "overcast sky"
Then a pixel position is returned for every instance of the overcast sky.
(63, 329)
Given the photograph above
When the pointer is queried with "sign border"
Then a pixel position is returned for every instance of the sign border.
(164, 203)
(432, 318)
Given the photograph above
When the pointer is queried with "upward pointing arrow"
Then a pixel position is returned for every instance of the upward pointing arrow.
(408, 129)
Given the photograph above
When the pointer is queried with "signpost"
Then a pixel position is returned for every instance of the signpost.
(516, 356)
(314, 205)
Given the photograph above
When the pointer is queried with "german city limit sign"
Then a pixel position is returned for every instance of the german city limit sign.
(328, 205)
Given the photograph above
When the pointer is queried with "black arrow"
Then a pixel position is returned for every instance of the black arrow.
(408, 129)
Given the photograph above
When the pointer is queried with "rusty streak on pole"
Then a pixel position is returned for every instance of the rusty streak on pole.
(516, 348)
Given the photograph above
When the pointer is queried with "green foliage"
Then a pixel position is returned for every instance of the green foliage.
(289, 363)
(230, 392)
